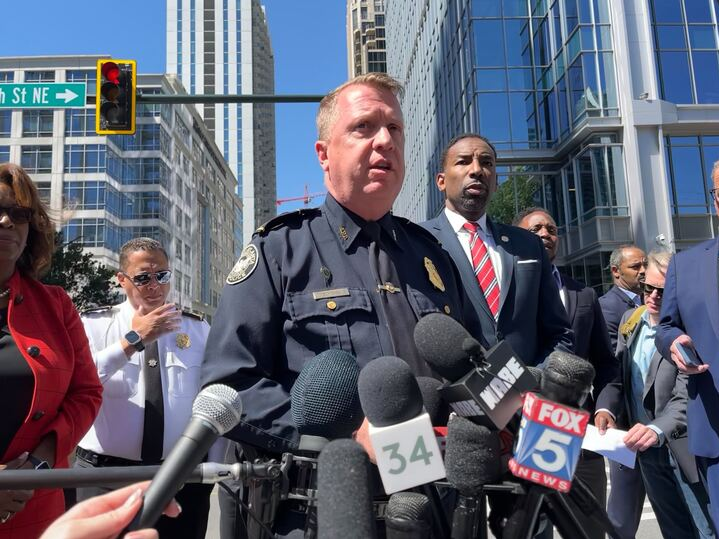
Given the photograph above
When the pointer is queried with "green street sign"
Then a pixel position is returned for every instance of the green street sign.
(43, 95)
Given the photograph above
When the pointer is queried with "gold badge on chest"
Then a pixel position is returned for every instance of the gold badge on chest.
(182, 340)
(433, 274)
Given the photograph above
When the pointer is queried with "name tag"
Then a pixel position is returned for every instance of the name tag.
(330, 293)
(407, 454)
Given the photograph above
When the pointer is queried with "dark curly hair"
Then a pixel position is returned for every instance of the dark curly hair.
(35, 260)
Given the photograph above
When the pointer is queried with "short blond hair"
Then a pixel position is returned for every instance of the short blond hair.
(659, 259)
(327, 113)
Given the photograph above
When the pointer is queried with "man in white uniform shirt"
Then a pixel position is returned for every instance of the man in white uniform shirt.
(148, 355)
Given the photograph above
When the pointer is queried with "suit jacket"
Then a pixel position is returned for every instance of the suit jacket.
(591, 340)
(531, 315)
(691, 305)
(614, 304)
(664, 399)
(47, 330)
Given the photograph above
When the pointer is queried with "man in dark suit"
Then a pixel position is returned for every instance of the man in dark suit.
(628, 263)
(649, 398)
(591, 342)
(505, 271)
(690, 317)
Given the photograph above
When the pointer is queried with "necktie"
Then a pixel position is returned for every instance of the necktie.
(483, 268)
(153, 428)
(398, 315)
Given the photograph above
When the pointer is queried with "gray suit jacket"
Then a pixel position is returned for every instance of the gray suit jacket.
(531, 315)
(664, 399)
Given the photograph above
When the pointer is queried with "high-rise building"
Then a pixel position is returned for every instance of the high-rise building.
(604, 112)
(223, 47)
(168, 181)
(366, 50)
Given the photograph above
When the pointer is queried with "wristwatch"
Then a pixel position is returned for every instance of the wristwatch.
(37, 463)
(133, 337)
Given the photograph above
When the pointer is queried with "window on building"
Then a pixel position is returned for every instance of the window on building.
(79, 122)
(37, 123)
(7, 76)
(178, 249)
(5, 122)
(4, 154)
(84, 195)
(88, 232)
(39, 76)
(85, 158)
(36, 159)
(88, 76)
(689, 162)
(43, 189)
(147, 137)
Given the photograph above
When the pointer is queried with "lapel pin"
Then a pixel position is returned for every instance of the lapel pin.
(505, 239)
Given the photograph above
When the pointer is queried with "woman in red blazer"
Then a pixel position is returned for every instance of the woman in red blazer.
(49, 389)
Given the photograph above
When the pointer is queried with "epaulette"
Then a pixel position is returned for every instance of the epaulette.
(627, 327)
(193, 314)
(94, 310)
(418, 228)
(285, 219)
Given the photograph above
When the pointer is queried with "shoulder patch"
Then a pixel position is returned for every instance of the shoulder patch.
(286, 219)
(107, 309)
(419, 229)
(193, 314)
(244, 266)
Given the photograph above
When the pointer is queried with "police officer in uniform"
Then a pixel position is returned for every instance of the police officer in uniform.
(348, 275)
(148, 355)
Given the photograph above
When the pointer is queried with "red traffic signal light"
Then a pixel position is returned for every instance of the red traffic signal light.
(115, 103)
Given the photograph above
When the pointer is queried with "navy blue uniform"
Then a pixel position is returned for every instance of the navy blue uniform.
(303, 286)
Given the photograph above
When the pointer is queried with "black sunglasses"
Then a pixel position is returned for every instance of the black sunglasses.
(17, 214)
(648, 289)
(142, 279)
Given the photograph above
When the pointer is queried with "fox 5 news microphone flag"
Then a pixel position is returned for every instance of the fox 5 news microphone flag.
(549, 442)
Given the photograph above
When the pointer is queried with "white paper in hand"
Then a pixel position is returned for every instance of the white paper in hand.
(610, 445)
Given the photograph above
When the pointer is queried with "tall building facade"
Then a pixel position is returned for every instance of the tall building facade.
(602, 111)
(169, 181)
(223, 47)
(366, 46)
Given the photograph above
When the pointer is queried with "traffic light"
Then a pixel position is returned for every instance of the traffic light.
(115, 101)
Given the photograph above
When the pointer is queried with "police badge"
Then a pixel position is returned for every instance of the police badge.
(244, 266)
(182, 340)
(433, 274)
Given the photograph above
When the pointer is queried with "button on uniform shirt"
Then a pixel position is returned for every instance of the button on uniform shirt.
(117, 431)
(464, 236)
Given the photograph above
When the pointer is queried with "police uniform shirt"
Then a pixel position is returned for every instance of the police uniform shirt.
(117, 430)
(303, 286)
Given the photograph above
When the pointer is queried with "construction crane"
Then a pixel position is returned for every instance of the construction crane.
(306, 198)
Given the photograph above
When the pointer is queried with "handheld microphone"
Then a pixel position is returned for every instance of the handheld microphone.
(216, 410)
(400, 430)
(472, 460)
(485, 386)
(408, 516)
(325, 402)
(344, 496)
(434, 404)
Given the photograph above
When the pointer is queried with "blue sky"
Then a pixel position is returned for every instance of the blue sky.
(308, 41)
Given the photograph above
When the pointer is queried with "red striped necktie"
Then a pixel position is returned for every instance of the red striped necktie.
(483, 268)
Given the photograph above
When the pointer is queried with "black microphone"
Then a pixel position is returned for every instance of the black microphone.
(484, 385)
(344, 496)
(324, 399)
(472, 460)
(566, 379)
(436, 406)
(216, 410)
(408, 516)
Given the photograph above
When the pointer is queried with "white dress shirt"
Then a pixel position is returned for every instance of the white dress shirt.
(456, 221)
(118, 427)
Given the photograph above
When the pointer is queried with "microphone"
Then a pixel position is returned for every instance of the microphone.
(472, 459)
(408, 516)
(567, 379)
(485, 386)
(324, 402)
(344, 496)
(216, 410)
(434, 404)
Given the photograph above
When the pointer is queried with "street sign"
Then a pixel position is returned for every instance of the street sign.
(43, 95)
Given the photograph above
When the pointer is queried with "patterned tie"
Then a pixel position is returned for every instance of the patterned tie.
(483, 268)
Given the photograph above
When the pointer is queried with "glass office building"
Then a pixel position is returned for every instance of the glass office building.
(223, 47)
(168, 181)
(603, 112)
(366, 45)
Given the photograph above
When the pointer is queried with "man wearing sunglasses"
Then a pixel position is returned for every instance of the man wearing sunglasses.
(148, 355)
(690, 317)
(649, 398)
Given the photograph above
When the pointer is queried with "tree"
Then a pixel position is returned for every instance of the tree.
(84, 279)
(512, 196)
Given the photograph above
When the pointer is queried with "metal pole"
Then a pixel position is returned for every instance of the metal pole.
(220, 98)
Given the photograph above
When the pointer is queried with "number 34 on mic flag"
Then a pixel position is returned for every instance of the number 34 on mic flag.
(549, 443)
